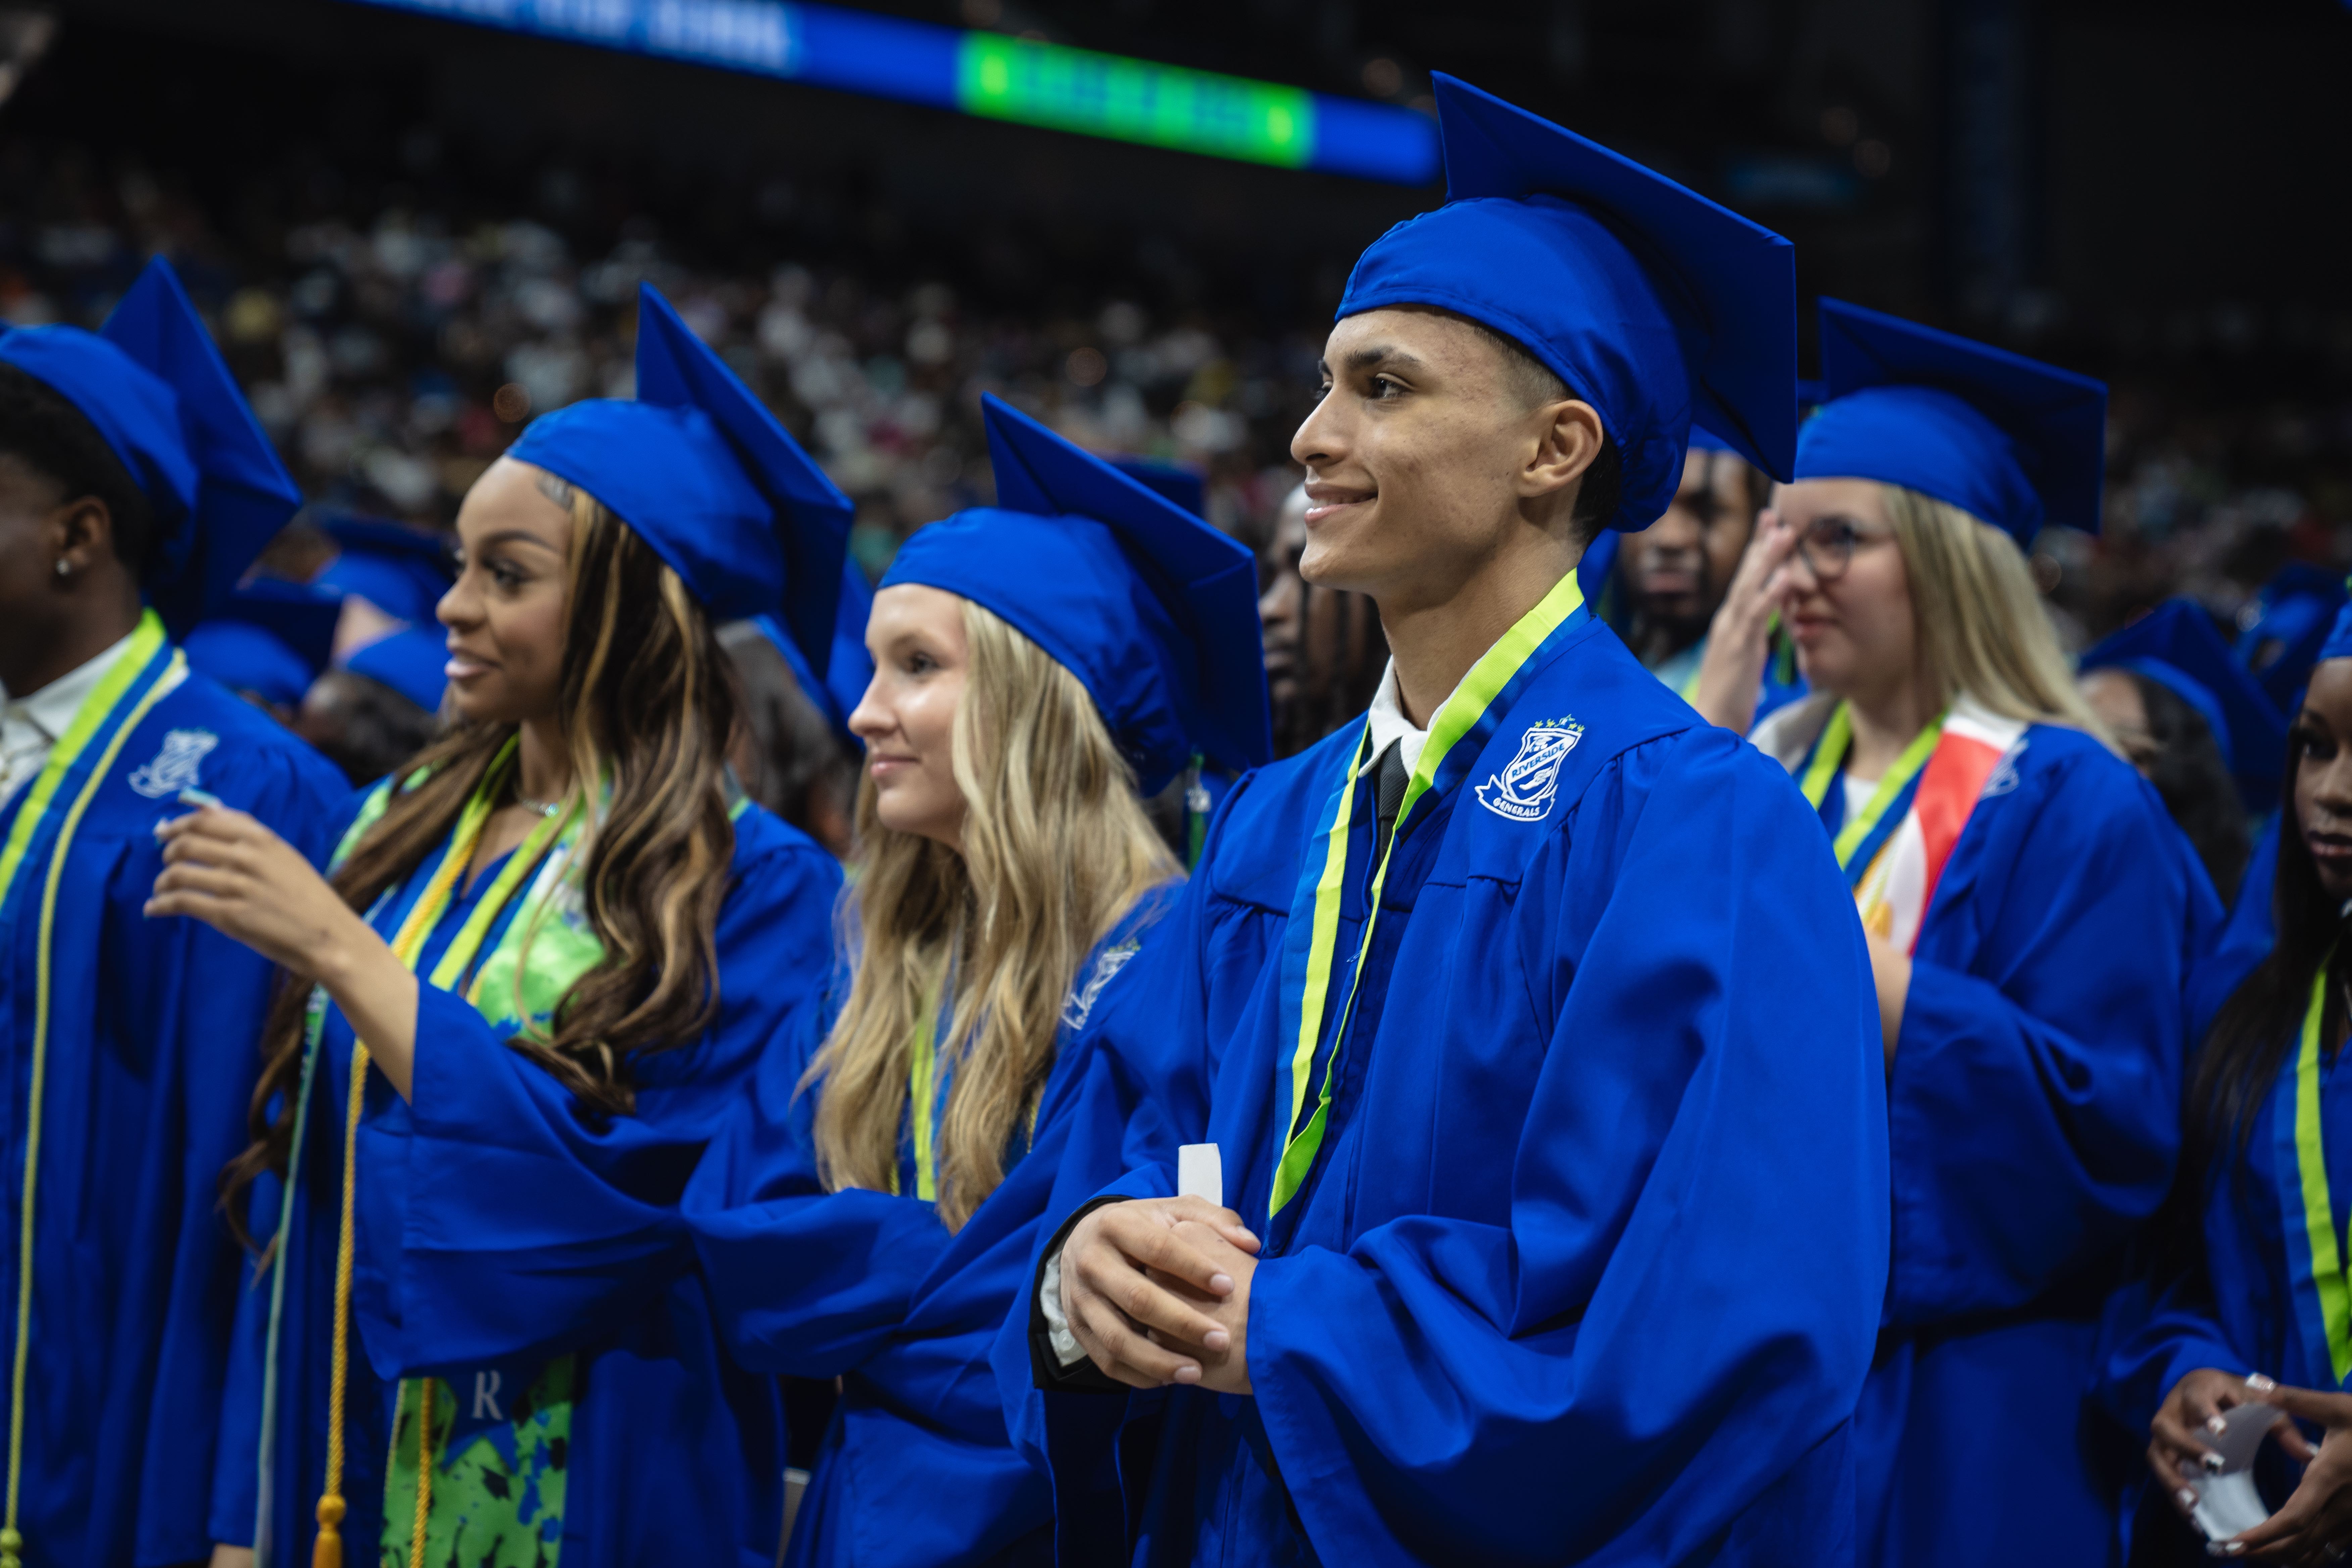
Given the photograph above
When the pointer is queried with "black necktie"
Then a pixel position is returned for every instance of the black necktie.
(1388, 792)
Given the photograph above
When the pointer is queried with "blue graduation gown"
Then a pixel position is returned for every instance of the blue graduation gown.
(150, 1060)
(2034, 1122)
(1587, 1265)
(870, 1288)
(499, 1228)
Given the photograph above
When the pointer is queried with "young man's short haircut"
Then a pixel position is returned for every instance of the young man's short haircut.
(53, 437)
(1536, 384)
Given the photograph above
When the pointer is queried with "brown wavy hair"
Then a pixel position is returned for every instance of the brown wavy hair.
(649, 707)
(1057, 849)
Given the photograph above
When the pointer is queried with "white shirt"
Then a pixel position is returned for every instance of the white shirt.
(1388, 723)
(30, 725)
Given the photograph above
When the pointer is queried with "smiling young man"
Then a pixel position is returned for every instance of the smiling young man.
(1538, 1041)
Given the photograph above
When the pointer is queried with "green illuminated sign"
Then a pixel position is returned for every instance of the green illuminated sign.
(1134, 100)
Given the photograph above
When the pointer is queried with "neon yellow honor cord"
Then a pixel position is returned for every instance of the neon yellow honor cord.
(422, 916)
(1829, 757)
(1458, 716)
(146, 642)
(2318, 1209)
(922, 1061)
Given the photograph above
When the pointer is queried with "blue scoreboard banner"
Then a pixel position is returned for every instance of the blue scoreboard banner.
(991, 75)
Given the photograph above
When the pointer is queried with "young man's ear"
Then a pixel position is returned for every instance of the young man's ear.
(85, 533)
(1567, 443)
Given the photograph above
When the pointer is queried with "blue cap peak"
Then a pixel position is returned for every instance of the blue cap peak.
(710, 481)
(1152, 609)
(155, 387)
(2008, 439)
(1655, 305)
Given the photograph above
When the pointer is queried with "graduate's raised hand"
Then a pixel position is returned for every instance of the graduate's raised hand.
(1738, 640)
(225, 868)
(1133, 1287)
(2191, 1414)
(2314, 1524)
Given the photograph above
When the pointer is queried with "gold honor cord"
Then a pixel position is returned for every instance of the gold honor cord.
(425, 914)
(147, 641)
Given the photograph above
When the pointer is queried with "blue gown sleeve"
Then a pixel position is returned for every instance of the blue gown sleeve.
(806, 1282)
(2034, 1101)
(498, 1222)
(1683, 1300)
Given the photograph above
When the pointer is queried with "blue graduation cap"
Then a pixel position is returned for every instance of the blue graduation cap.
(1180, 484)
(1652, 303)
(410, 661)
(2177, 646)
(272, 638)
(851, 669)
(156, 389)
(708, 477)
(400, 570)
(2010, 440)
(1154, 611)
(2295, 624)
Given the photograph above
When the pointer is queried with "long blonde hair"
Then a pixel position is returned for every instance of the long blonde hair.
(1982, 628)
(1057, 849)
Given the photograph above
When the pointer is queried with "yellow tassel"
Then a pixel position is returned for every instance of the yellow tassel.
(329, 1550)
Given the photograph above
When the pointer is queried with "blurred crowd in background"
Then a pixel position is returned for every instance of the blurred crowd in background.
(394, 343)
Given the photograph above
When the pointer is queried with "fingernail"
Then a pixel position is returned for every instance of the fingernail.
(198, 797)
(2215, 1424)
(1223, 1284)
(2256, 1380)
(2212, 1462)
(1216, 1338)
(2187, 1498)
(2233, 1547)
(1188, 1373)
(1249, 1235)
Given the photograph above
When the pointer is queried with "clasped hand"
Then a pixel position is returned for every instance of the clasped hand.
(2314, 1524)
(1157, 1292)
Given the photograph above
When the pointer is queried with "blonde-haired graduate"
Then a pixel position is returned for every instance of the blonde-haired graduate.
(547, 958)
(1039, 667)
(2031, 909)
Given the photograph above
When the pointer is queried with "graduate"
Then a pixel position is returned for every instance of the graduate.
(552, 950)
(1548, 1111)
(2258, 1298)
(873, 1212)
(130, 469)
(2031, 915)
(2206, 736)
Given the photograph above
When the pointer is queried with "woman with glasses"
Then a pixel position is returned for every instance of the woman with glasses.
(2026, 904)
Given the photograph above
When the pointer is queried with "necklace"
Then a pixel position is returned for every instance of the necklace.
(545, 807)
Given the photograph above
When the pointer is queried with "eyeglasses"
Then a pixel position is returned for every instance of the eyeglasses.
(1828, 544)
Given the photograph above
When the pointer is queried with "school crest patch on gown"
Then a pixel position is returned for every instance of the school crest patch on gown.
(1524, 790)
(176, 766)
